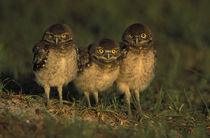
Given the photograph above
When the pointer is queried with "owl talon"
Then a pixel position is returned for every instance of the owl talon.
(61, 104)
(56, 46)
(143, 115)
(48, 105)
(96, 105)
(137, 64)
(100, 69)
(130, 115)
(89, 105)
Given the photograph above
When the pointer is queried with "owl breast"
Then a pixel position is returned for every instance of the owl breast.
(95, 78)
(60, 68)
(137, 70)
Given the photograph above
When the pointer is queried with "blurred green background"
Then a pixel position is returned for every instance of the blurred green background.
(181, 36)
(180, 28)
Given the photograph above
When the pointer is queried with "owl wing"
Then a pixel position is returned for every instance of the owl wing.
(156, 56)
(123, 49)
(41, 51)
(84, 59)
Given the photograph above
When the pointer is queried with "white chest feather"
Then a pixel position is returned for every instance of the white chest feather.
(137, 70)
(60, 69)
(96, 79)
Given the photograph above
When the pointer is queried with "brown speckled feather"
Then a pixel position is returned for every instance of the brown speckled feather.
(55, 59)
(41, 51)
(98, 70)
(84, 59)
(138, 63)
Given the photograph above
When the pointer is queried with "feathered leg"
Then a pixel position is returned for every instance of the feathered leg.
(127, 97)
(95, 94)
(87, 98)
(47, 93)
(125, 89)
(138, 101)
(139, 104)
(60, 89)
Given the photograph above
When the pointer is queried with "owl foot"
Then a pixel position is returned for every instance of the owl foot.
(131, 116)
(143, 115)
(130, 113)
(96, 105)
(140, 112)
(61, 104)
(89, 105)
(48, 104)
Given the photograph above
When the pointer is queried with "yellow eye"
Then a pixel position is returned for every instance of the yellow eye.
(114, 51)
(143, 35)
(101, 51)
(130, 36)
(63, 36)
(50, 36)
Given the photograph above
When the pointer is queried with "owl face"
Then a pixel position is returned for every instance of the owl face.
(104, 51)
(58, 34)
(138, 35)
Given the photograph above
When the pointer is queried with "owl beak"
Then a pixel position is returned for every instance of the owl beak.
(137, 40)
(108, 55)
(56, 40)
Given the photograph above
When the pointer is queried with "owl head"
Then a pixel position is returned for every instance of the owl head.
(58, 34)
(137, 35)
(104, 51)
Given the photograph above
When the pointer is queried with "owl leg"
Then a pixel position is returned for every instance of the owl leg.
(95, 94)
(87, 98)
(60, 89)
(128, 96)
(138, 101)
(139, 105)
(125, 89)
(47, 93)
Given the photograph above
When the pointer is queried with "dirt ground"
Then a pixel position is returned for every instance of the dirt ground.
(33, 114)
(23, 115)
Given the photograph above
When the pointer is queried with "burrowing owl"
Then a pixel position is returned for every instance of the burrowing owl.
(55, 59)
(99, 68)
(137, 67)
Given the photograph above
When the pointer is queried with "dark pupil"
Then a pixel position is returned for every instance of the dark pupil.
(65, 36)
(50, 36)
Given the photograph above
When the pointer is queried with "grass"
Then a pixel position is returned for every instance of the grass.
(2, 85)
(170, 116)
(177, 101)
(48, 127)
